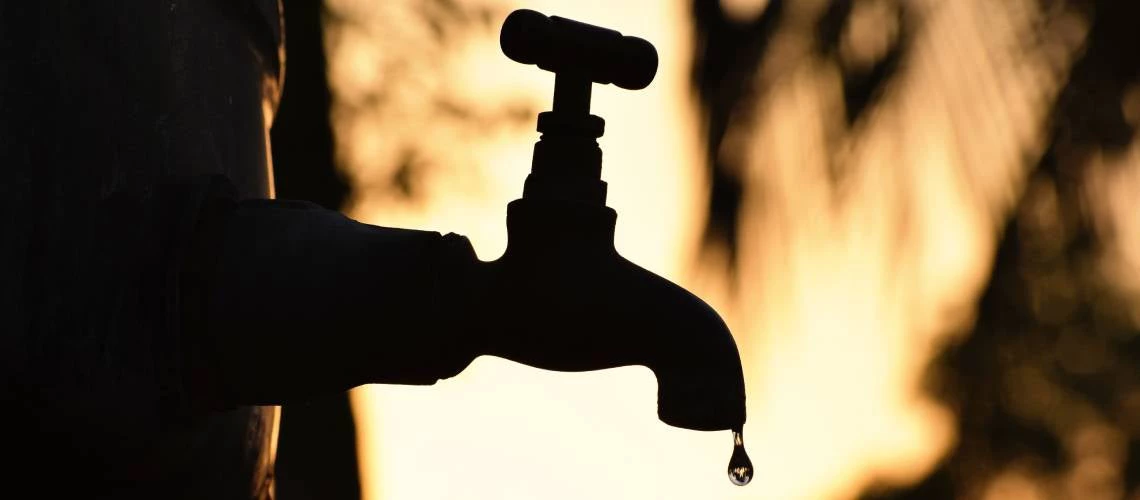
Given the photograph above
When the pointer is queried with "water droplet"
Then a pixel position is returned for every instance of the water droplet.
(739, 466)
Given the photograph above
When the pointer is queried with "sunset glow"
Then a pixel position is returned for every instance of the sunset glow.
(863, 248)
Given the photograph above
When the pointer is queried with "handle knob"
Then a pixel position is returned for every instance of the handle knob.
(591, 52)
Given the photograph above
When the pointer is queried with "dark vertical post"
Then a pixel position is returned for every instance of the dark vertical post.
(316, 454)
(302, 135)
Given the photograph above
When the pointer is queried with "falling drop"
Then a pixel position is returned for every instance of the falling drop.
(739, 466)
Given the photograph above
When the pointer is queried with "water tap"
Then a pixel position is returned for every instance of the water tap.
(574, 303)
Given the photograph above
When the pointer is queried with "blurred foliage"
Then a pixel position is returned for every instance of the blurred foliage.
(1046, 386)
(727, 79)
(393, 66)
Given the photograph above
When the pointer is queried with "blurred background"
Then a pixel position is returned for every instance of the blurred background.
(919, 218)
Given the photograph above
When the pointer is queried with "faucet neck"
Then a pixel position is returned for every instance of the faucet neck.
(537, 227)
(572, 94)
(567, 162)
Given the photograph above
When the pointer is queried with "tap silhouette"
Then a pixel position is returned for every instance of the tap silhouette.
(561, 297)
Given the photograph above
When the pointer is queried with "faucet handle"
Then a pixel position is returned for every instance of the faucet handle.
(567, 162)
(561, 45)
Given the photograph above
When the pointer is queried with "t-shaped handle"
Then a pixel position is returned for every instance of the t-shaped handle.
(567, 162)
(579, 54)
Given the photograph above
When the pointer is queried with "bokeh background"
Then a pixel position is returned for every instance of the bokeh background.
(919, 218)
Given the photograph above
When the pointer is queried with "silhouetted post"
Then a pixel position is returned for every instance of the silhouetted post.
(316, 451)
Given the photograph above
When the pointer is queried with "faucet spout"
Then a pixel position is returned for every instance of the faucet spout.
(700, 380)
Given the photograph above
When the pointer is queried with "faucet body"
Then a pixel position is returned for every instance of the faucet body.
(567, 301)
(561, 273)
